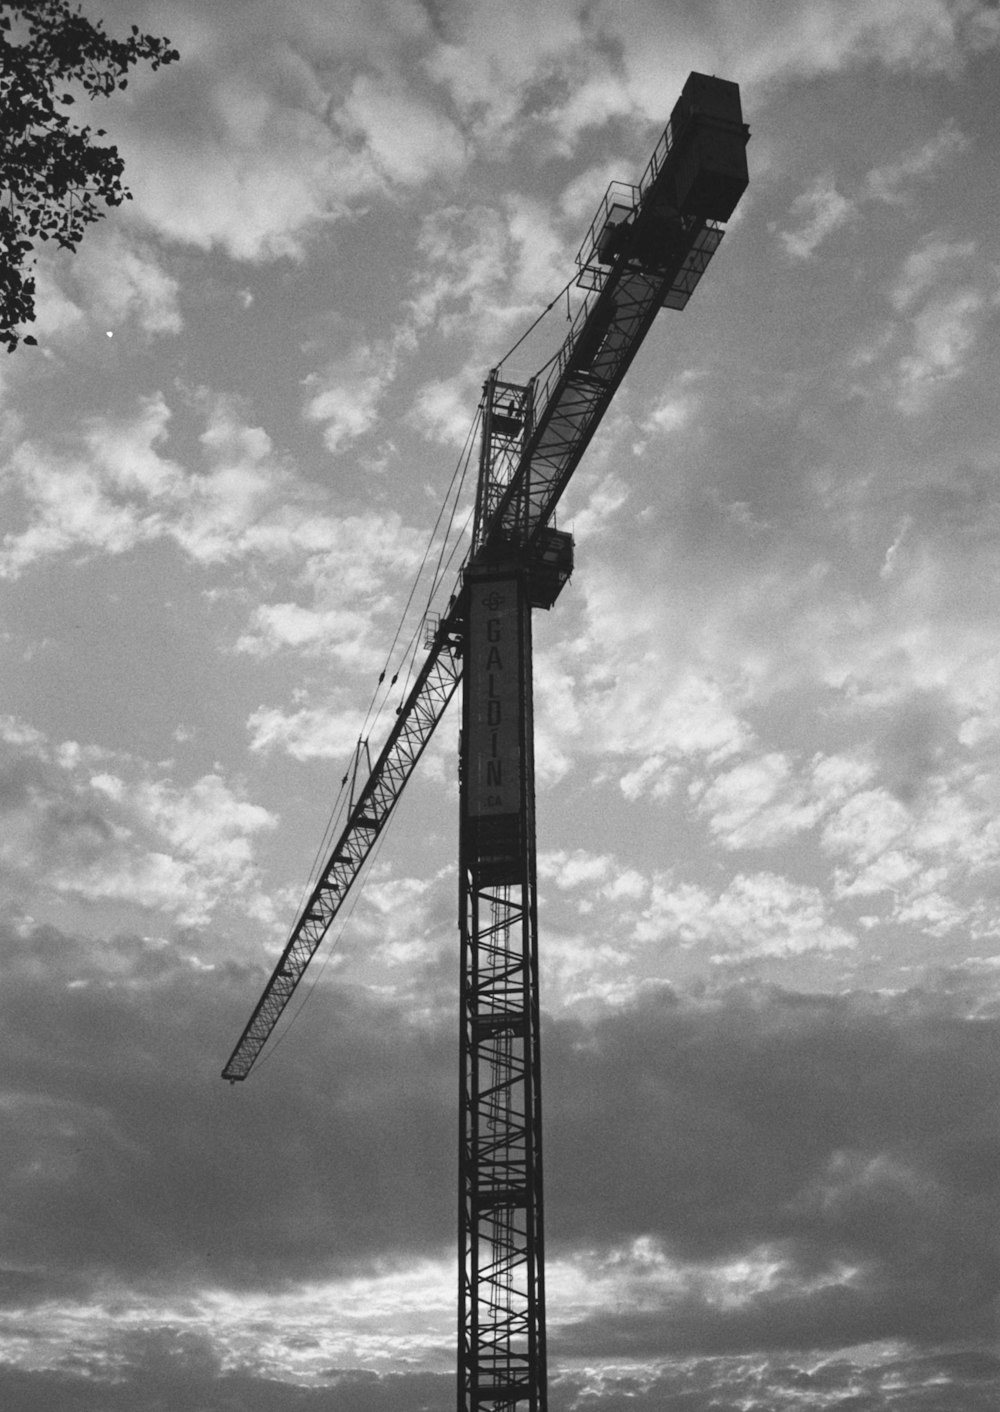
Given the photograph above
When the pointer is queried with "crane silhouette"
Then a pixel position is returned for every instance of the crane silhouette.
(647, 248)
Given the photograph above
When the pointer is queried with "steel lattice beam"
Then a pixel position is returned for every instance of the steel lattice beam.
(418, 716)
(606, 335)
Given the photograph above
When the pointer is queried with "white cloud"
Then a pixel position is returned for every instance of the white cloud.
(817, 37)
(115, 281)
(122, 833)
(251, 173)
(925, 856)
(309, 733)
(890, 554)
(738, 801)
(579, 198)
(121, 490)
(944, 331)
(819, 211)
(123, 280)
(488, 68)
(348, 399)
(486, 271)
(19, 733)
(889, 181)
(210, 829)
(396, 943)
(463, 269)
(151, 880)
(568, 870)
(928, 268)
(340, 632)
(126, 455)
(355, 556)
(758, 916)
(539, 255)
(943, 291)
(207, 817)
(670, 415)
(557, 717)
(688, 714)
(595, 517)
(760, 803)
(441, 410)
(406, 1311)
(588, 64)
(406, 139)
(271, 128)
(597, 875)
(654, 775)
(347, 395)
(632, 688)
(73, 514)
(57, 315)
(579, 970)
(268, 130)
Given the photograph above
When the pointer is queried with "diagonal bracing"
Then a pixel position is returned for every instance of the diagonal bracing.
(413, 728)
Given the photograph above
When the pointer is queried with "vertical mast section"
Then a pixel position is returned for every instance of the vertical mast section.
(501, 1294)
(501, 1288)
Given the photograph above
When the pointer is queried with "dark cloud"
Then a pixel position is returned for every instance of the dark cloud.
(839, 1133)
(918, 740)
(127, 1155)
(45, 821)
(960, 1382)
(834, 1133)
(957, 1383)
(172, 1369)
(18, 778)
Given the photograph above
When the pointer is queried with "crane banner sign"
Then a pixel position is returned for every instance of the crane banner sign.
(493, 684)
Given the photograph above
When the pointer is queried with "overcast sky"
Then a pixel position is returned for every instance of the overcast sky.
(768, 719)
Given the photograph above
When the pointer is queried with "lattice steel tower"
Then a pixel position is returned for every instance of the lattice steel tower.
(646, 249)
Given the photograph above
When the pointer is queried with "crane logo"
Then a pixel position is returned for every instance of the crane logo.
(492, 685)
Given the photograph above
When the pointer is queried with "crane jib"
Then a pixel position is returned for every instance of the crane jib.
(589, 368)
(418, 716)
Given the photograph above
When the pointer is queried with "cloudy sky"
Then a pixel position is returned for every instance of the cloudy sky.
(768, 718)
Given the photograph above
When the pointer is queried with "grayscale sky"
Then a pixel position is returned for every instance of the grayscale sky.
(768, 719)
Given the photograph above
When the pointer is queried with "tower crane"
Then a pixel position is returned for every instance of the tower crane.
(646, 249)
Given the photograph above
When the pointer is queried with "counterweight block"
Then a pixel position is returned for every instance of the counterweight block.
(710, 140)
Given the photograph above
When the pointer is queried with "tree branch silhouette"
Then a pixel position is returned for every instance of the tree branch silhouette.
(55, 177)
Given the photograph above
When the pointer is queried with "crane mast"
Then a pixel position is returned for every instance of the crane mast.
(647, 248)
